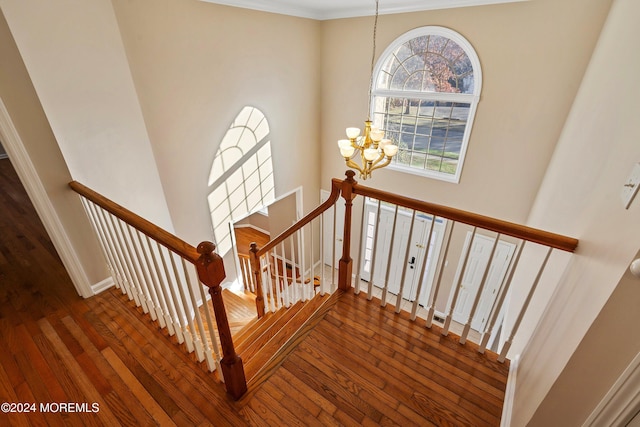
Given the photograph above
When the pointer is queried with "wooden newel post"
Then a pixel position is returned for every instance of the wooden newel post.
(345, 265)
(257, 277)
(211, 272)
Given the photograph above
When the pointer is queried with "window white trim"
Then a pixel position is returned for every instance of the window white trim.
(471, 98)
(436, 31)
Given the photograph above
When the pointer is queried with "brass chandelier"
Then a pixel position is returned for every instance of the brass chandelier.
(372, 149)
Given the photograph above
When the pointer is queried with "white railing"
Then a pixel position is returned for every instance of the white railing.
(245, 270)
(445, 266)
(160, 281)
(166, 277)
(291, 267)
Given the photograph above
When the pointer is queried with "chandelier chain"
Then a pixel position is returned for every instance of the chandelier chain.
(370, 151)
(373, 59)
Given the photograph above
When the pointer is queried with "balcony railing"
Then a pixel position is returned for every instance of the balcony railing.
(442, 265)
(166, 277)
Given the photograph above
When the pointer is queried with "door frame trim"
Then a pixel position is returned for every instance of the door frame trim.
(622, 401)
(28, 175)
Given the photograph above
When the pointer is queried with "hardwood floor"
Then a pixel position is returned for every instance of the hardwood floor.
(359, 365)
(363, 365)
(246, 235)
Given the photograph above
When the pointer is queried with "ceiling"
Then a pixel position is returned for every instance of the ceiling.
(334, 9)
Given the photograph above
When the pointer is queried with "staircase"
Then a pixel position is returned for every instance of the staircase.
(295, 281)
(265, 342)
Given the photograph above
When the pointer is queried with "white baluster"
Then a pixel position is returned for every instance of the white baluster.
(165, 300)
(447, 322)
(139, 269)
(213, 363)
(433, 297)
(484, 339)
(516, 325)
(151, 280)
(199, 338)
(90, 208)
(322, 262)
(373, 256)
(107, 220)
(189, 333)
(333, 254)
(125, 256)
(179, 319)
(363, 238)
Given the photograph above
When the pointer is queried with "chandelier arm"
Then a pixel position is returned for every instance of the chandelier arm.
(354, 165)
(378, 160)
(380, 166)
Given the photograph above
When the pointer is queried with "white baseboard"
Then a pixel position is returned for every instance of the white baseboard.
(253, 227)
(509, 394)
(102, 285)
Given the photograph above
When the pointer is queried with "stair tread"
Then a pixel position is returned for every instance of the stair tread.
(266, 330)
(262, 353)
(253, 330)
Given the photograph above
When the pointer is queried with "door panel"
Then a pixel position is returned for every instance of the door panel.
(393, 255)
(476, 264)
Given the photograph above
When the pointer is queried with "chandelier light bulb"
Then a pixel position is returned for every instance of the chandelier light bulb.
(347, 151)
(343, 143)
(353, 133)
(376, 134)
(370, 154)
(390, 150)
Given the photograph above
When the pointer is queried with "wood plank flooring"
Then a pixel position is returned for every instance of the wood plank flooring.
(363, 365)
(359, 365)
(247, 235)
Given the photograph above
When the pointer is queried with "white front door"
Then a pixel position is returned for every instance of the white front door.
(476, 264)
(391, 257)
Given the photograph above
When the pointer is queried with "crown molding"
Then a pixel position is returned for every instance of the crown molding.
(322, 10)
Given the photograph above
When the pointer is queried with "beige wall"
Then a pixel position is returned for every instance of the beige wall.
(20, 99)
(282, 214)
(580, 196)
(195, 65)
(533, 55)
(75, 59)
(258, 220)
(608, 347)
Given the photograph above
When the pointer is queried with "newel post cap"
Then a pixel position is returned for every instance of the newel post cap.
(348, 184)
(210, 265)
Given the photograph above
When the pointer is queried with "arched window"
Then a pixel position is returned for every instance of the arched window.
(241, 179)
(426, 89)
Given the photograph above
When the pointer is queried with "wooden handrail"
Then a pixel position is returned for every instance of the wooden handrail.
(158, 234)
(210, 268)
(333, 198)
(518, 231)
